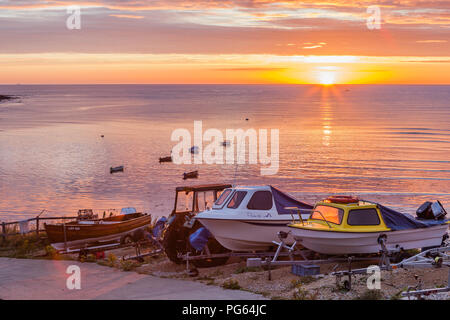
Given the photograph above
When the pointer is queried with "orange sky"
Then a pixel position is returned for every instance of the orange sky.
(259, 41)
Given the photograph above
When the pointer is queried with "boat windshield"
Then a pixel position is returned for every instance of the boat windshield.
(330, 214)
(205, 200)
(236, 199)
(185, 201)
(223, 197)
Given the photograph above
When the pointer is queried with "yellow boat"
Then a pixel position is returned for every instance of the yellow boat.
(346, 225)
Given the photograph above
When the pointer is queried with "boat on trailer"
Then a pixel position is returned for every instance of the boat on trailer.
(79, 233)
(347, 225)
(249, 218)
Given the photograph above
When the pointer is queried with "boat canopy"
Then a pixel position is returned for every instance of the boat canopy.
(128, 210)
(400, 221)
(283, 200)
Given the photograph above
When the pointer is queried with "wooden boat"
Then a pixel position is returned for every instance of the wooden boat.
(165, 159)
(78, 233)
(116, 169)
(347, 225)
(190, 175)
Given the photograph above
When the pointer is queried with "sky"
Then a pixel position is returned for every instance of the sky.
(224, 41)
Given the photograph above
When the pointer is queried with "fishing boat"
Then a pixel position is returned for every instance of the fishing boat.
(347, 225)
(165, 159)
(116, 169)
(78, 233)
(249, 218)
(190, 175)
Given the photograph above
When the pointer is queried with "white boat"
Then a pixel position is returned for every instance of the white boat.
(339, 227)
(249, 218)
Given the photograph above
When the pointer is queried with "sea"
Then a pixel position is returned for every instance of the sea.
(384, 143)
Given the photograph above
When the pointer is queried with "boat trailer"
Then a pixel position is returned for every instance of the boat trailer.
(139, 256)
(431, 258)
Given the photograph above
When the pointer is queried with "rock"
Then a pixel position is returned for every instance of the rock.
(5, 97)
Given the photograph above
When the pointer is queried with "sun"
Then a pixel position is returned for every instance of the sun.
(327, 78)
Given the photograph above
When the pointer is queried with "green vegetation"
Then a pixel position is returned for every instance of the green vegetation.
(302, 280)
(302, 294)
(231, 284)
(398, 295)
(23, 246)
(129, 265)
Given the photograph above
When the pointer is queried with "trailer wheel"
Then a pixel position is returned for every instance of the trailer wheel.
(126, 239)
(174, 241)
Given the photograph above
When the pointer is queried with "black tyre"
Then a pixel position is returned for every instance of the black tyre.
(175, 239)
(126, 240)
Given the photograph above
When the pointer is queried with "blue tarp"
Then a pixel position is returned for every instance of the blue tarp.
(159, 226)
(199, 238)
(282, 200)
(400, 221)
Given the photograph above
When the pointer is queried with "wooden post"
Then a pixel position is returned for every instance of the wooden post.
(3, 230)
(37, 226)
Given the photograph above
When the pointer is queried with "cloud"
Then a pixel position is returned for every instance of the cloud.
(431, 41)
(225, 27)
(126, 16)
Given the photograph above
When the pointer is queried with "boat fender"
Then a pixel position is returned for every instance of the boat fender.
(159, 227)
(199, 238)
(382, 238)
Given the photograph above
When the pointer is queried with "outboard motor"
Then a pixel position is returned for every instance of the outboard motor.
(429, 210)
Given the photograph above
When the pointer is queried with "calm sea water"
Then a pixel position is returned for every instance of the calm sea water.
(384, 143)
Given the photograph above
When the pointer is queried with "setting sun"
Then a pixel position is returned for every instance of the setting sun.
(327, 77)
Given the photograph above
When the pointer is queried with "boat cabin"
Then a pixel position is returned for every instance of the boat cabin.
(197, 198)
(346, 216)
(258, 202)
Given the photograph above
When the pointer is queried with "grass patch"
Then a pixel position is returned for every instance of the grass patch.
(398, 295)
(129, 265)
(23, 246)
(247, 269)
(301, 294)
(231, 285)
(302, 280)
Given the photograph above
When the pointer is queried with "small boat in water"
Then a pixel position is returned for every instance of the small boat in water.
(249, 218)
(79, 233)
(190, 175)
(194, 150)
(347, 225)
(116, 169)
(165, 159)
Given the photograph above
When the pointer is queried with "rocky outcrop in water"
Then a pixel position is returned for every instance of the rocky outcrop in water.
(5, 97)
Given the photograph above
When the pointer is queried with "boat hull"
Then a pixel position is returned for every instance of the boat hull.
(329, 242)
(76, 235)
(246, 235)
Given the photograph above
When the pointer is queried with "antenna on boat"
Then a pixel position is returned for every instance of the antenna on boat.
(237, 156)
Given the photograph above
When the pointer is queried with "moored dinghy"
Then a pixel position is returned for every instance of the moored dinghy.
(249, 218)
(190, 175)
(116, 169)
(165, 159)
(346, 225)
